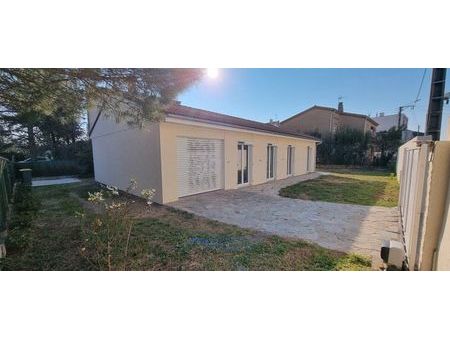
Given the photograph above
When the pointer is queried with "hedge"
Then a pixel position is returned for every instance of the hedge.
(53, 168)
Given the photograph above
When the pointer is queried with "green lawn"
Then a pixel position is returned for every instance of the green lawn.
(162, 239)
(348, 186)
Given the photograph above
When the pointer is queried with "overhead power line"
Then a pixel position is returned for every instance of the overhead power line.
(418, 95)
(420, 87)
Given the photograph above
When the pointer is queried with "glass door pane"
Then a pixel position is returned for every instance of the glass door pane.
(271, 161)
(239, 163)
(245, 164)
(270, 154)
(289, 160)
(308, 159)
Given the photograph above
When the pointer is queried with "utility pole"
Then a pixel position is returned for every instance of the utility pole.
(400, 109)
(436, 104)
(399, 116)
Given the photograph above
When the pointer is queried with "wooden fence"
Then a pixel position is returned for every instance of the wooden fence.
(6, 189)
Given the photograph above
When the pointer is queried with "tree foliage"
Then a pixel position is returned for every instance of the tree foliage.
(45, 106)
(388, 143)
(346, 146)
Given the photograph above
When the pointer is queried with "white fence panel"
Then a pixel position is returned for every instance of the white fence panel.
(413, 157)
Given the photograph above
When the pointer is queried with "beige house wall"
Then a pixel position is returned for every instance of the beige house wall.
(326, 121)
(148, 154)
(352, 122)
(169, 131)
(437, 205)
(448, 129)
(323, 121)
(443, 247)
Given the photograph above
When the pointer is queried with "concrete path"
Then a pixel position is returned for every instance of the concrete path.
(343, 227)
(54, 181)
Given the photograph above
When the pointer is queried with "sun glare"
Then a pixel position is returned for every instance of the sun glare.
(212, 73)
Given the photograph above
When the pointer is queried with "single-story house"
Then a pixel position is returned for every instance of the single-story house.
(193, 151)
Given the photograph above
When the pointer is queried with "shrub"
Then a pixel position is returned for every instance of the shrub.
(69, 159)
(80, 152)
(52, 168)
(392, 166)
(25, 207)
(346, 146)
(107, 238)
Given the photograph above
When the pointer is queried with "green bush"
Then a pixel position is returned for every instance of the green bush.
(345, 147)
(52, 168)
(69, 159)
(80, 152)
(392, 166)
(25, 207)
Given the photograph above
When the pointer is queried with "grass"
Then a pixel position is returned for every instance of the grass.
(362, 187)
(163, 239)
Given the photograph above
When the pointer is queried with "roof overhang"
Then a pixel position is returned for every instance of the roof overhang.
(174, 118)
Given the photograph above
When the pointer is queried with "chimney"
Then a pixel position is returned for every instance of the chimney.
(381, 114)
(274, 123)
(341, 107)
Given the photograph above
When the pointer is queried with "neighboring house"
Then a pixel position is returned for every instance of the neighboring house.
(386, 122)
(193, 151)
(326, 120)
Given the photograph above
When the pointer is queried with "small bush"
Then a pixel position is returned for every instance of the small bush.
(392, 166)
(18, 238)
(52, 168)
(25, 207)
(107, 238)
(345, 147)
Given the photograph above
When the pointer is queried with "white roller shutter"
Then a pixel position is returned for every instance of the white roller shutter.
(199, 165)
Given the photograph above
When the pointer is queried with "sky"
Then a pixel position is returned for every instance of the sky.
(263, 94)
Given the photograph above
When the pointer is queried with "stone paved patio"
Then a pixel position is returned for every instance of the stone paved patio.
(344, 227)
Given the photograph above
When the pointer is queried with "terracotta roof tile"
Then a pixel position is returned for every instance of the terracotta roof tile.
(178, 110)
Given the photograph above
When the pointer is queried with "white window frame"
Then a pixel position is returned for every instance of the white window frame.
(248, 164)
(290, 160)
(271, 155)
(309, 156)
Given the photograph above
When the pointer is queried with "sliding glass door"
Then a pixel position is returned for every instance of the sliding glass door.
(242, 160)
(290, 159)
(270, 160)
(308, 159)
